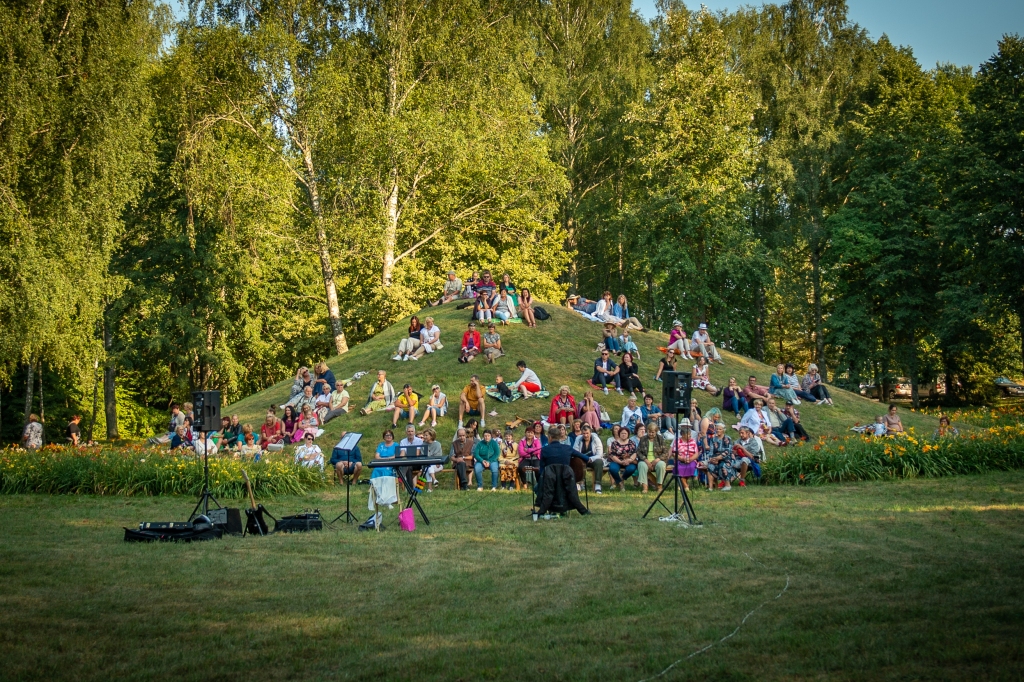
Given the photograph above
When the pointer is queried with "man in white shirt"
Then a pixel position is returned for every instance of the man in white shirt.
(410, 440)
(430, 339)
(529, 382)
(309, 454)
(701, 341)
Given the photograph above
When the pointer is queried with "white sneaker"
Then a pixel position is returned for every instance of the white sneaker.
(413, 357)
(405, 358)
(480, 490)
(619, 390)
(482, 423)
(579, 488)
(606, 390)
(796, 401)
(726, 489)
(460, 424)
(493, 489)
(597, 489)
(397, 357)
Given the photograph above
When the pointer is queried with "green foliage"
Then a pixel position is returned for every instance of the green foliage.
(145, 471)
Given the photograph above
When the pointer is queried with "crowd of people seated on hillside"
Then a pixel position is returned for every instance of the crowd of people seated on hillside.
(490, 300)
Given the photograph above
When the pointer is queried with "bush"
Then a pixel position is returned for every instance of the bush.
(860, 458)
(141, 471)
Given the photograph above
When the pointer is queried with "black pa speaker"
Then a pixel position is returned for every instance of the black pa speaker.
(206, 408)
(676, 388)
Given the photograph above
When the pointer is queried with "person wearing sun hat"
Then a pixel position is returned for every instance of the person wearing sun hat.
(677, 342)
(702, 342)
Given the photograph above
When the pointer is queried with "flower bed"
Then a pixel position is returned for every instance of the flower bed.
(860, 458)
(145, 471)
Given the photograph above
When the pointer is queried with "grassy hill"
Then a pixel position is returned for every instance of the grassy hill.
(561, 350)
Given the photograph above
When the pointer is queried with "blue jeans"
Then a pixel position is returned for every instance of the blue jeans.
(479, 469)
(738, 405)
(502, 315)
(619, 472)
(804, 395)
(612, 344)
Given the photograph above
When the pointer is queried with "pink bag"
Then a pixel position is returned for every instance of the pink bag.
(406, 520)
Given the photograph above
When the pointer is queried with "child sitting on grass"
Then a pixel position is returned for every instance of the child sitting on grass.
(627, 344)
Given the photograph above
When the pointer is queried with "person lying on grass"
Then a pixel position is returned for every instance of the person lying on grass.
(472, 401)
(528, 382)
(406, 405)
(309, 454)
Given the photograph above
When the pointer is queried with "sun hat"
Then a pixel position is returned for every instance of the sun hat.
(677, 323)
(702, 326)
(684, 422)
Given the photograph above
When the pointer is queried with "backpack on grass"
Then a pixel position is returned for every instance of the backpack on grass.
(540, 313)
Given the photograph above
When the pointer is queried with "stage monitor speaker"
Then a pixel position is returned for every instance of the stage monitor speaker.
(675, 392)
(206, 408)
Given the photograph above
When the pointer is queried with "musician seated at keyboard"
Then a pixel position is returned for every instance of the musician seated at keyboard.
(347, 462)
(387, 449)
(309, 454)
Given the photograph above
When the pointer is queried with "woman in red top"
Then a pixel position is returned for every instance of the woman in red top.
(563, 407)
(470, 343)
(272, 431)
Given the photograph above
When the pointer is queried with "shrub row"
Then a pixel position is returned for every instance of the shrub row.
(139, 471)
(859, 458)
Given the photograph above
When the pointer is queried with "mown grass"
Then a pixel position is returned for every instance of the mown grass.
(561, 351)
(911, 580)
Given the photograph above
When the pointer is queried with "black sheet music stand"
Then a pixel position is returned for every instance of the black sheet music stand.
(345, 445)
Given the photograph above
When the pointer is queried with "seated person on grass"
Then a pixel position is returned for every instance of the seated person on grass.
(753, 390)
(471, 344)
(271, 431)
(605, 372)
(793, 415)
(629, 375)
(507, 286)
(627, 344)
(339, 402)
(666, 364)
(323, 403)
(470, 291)
(652, 412)
(430, 339)
(437, 406)
(814, 384)
(733, 399)
(758, 420)
(589, 411)
(503, 306)
(563, 407)
(232, 432)
(486, 283)
(528, 382)
(893, 423)
(303, 378)
(793, 381)
(307, 398)
(482, 309)
(308, 424)
(610, 339)
(452, 289)
(621, 311)
(701, 380)
(485, 456)
(472, 401)
(492, 344)
(525, 305)
(382, 395)
(309, 454)
(347, 462)
(778, 388)
(701, 343)
(411, 341)
(179, 441)
(678, 344)
(324, 378)
(249, 451)
(406, 405)
(945, 430)
(290, 421)
(631, 415)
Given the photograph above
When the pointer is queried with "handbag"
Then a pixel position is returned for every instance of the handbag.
(406, 520)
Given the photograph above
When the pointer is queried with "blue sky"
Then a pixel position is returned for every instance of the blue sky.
(964, 33)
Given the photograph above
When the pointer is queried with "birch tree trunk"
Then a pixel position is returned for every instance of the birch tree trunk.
(28, 391)
(109, 388)
(390, 230)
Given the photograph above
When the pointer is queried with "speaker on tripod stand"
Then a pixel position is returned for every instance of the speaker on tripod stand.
(206, 411)
(676, 391)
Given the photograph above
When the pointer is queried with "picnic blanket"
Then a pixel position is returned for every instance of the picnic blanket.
(492, 391)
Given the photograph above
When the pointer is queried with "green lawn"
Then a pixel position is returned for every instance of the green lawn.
(561, 351)
(919, 579)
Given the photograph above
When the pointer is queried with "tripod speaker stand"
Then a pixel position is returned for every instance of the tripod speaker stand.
(675, 398)
(206, 407)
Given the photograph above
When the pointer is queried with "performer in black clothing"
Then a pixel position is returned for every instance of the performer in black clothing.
(557, 451)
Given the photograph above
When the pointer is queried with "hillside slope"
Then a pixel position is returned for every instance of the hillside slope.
(561, 350)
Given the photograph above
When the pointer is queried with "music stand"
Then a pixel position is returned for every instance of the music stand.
(345, 446)
(677, 486)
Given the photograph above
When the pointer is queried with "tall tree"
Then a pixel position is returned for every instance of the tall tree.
(73, 156)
